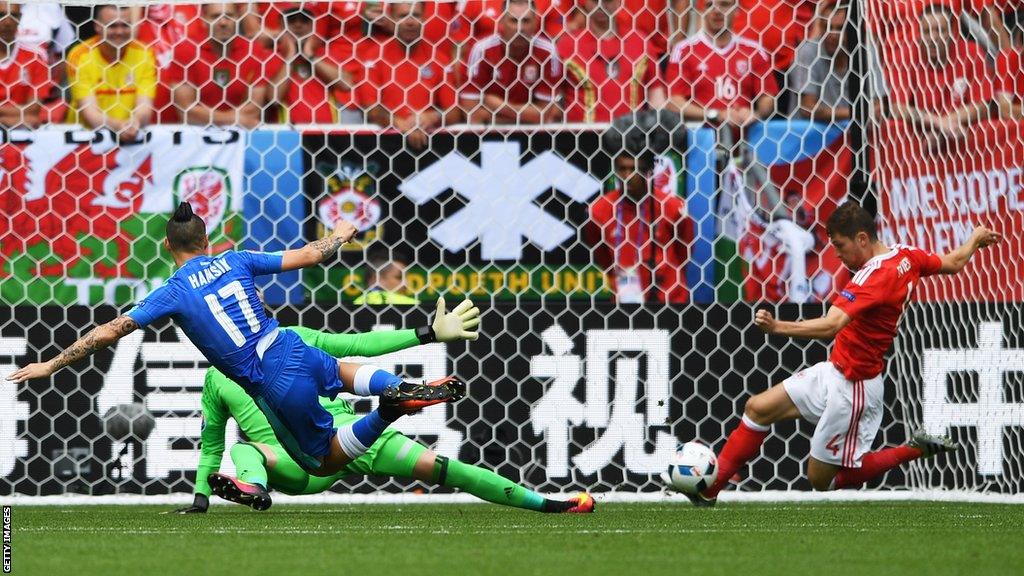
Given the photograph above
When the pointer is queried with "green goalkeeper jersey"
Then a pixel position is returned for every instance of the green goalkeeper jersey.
(224, 399)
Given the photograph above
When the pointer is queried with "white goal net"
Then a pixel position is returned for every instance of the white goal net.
(464, 139)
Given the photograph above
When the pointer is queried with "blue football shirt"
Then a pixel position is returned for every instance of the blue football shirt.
(214, 301)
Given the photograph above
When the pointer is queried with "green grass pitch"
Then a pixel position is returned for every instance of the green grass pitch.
(828, 539)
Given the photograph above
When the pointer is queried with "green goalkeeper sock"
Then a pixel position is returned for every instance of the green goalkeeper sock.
(249, 464)
(486, 485)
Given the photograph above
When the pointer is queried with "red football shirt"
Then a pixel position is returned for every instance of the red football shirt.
(621, 233)
(24, 76)
(606, 77)
(223, 82)
(538, 77)
(1009, 73)
(408, 82)
(965, 79)
(648, 18)
(896, 21)
(874, 298)
(777, 25)
(732, 76)
(309, 100)
(161, 31)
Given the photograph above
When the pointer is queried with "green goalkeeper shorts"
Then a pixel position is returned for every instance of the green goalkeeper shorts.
(393, 454)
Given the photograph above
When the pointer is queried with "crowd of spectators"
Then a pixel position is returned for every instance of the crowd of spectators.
(937, 65)
(414, 67)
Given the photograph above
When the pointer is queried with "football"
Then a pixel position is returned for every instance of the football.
(125, 422)
(692, 469)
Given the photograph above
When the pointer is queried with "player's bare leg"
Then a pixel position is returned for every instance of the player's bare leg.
(821, 474)
(761, 411)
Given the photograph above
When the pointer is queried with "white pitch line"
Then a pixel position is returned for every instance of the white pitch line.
(773, 497)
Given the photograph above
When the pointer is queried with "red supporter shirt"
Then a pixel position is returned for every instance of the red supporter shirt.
(536, 78)
(732, 76)
(24, 77)
(162, 32)
(1009, 73)
(874, 300)
(620, 232)
(408, 83)
(648, 18)
(899, 18)
(777, 25)
(309, 100)
(606, 77)
(964, 80)
(334, 19)
(223, 83)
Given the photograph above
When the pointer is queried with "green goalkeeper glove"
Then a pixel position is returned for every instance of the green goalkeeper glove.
(199, 505)
(459, 324)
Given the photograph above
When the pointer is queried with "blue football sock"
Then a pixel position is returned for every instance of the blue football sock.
(372, 381)
(369, 428)
(357, 438)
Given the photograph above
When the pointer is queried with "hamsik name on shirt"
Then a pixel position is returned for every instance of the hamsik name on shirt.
(207, 275)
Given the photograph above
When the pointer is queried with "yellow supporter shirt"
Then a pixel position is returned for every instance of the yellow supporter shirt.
(116, 85)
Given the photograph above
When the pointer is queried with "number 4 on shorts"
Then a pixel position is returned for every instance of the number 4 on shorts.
(832, 444)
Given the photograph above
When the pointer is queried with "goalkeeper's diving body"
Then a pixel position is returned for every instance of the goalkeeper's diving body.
(215, 302)
(263, 464)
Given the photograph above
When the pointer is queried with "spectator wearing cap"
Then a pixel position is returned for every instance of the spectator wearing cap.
(305, 89)
(408, 88)
(224, 80)
(609, 71)
(515, 76)
(113, 79)
(24, 77)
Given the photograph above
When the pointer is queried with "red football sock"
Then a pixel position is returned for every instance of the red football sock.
(874, 464)
(743, 444)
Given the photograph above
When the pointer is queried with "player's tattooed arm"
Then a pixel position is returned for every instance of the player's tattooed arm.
(97, 339)
(320, 250)
(327, 246)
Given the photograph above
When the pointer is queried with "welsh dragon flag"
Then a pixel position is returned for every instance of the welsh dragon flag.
(82, 219)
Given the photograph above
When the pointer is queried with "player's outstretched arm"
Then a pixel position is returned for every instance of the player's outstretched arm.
(824, 328)
(216, 413)
(459, 324)
(319, 250)
(97, 339)
(955, 260)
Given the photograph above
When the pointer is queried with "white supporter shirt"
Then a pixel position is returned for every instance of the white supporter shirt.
(45, 27)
